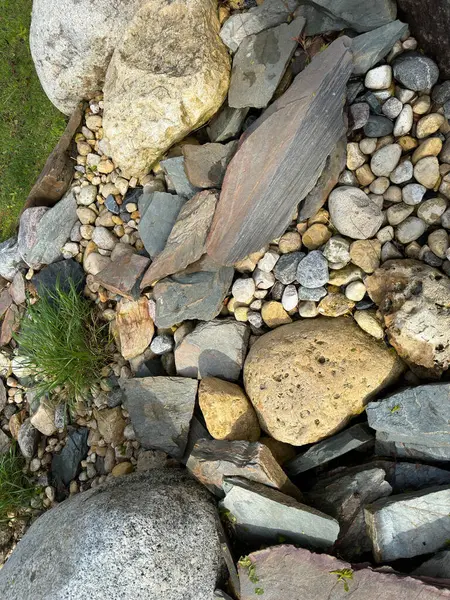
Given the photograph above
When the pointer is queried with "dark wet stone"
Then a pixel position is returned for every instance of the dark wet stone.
(378, 126)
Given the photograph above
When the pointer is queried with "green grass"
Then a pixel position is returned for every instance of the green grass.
(64, 345)
(30, 125)
(16, 490)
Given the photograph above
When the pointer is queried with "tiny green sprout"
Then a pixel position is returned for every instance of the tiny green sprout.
(259, 591)
(447, 543)
(227, 515)
(395, 408)
(343, 575)
(246, 563)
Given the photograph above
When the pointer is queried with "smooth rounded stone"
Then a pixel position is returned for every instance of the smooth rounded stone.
(379, 185)
(268, 261)
(412, 194)
(95, 263)
(392, 108)
(432, 210)
(355, 157)
(86, 215)
(421, 105)
(383, 95)
(255, 319)
(297, 377)
(289, 299)
(274, 314)
(368, 322)
(291, 241)
(308, 310)
(143, 524)
(385, 160)
(366, 254)
(336, 250)
(347, 178)
(393, 194)
(353, 213)
(378, 126)
(70, 250)
(316, 236)
(285, 270)
(429, 147)
(445, 219)
(161, 344)
(105, 219)
(86, 231)
(426, 171)
(438, 242)
(243, 290)
(404, 121)
(412, 250)
(402, 173)
(87, 195)
(407, 143)
(355, 291)
(104, 238)
(377, 199)
(241, 313)
(429, 124)
(262, 279)
(404, 95)
(441, 93)
(312, 271)
(386, 234)
(415, 71)
(390, 251)
(368, 145)
(410, 229)
(311, 294)
(346, 275)
(364, 175)
(379, 78)
(335, 305)
(398, 212)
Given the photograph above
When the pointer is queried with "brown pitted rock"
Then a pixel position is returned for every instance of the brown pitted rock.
(306, 380)
(414, 300)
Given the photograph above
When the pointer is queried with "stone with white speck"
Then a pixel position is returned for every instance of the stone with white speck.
(262, 279)
(337, 250)
(415, 71)
(392, 108)
(285, 269)
(413, 193)
(161, 344)
(268, 261)
(312, 271)
(87, 195)
(308, 310)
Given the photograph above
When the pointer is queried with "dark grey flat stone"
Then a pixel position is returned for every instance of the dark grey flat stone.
(159, 212)
(66, 464)
(369, 48)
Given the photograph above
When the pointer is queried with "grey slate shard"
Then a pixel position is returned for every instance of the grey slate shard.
(5, 443)
(357, 437)
(197, 431)
(10, 259)
(432, 454)
(262, 515)
(260, 63)
(66, 464)
(371, 47)
(178, 181)
(227, 123)
(420, 416)
(61, 273)
(159, 211)
(318, 21)
(409, 524)
(437, 566)
(416, 476)
(161, 410)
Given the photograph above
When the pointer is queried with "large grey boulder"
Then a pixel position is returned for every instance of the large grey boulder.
(152, 535)
(72, 42)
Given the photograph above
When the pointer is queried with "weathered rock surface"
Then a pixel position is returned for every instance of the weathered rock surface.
(71, 55)
(306, 380)
(144, 525)
(415, 71)
(206, 165)
(154, 99)
(186, 242)
(297, 574)
(261, 515)
(176, 177)
(354, 213)
(122, 276)
(66, 464)
(369, 48)
(415, 476)
(214, 349)
(409, 524)
(437, 566)
(134, 326)
(159, 212)
(111, 424)
(63, 274)
(260, 194)
(227, 123)
(161, 410)
(44, 417)
(414, 299)
(431, 454)
(10, 259)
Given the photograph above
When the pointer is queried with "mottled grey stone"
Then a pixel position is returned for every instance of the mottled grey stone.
(159, 212)
(261, 515)
(415, 71)
(353, 213)
(409, 524)
(161, 410)
(226, 124)
(285, 269)
(149, 535)
(312, 294)
(441, 93)
(66, 464)
(369, 48)
(259, 64)
(434, 454)
(378, 126)
(177, 180)
(437, 566)
(10, 259)
(5, 443)
(359, 114)
(415, 476)
(312, 271)
(28, 439)
(353, 438)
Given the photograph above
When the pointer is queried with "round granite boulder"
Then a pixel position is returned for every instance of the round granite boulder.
(306, 380)
(144, 536)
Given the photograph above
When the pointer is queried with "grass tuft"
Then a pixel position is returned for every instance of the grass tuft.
(16, 490)
(63, 344)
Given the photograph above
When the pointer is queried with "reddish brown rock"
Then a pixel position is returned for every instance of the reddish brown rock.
(10, 324)
(205, 165)
(120, 276)
(5, 302)
(281, 158)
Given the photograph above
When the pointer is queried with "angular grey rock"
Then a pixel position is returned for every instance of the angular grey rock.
(66, 464)
(409, 524)
(285, 269)
(260, 63)
(28, 439)
(214, 349)
(178, 181)
(312, 271)
(197, 292)
(206, 165)
(353, 213)
(419, 415)
(269, 14)
(63, 273)
(5, 443)
(10, 259)
(415, 71)
(311, 294)
(353, 438)
(378, 126)
(344, 497)
(369, 48)
(441, 93)
(415, 476)
(122, 275)
(227, 123)
(431, 454)
(161, 410)
(318, 21)
(357, 16)
(29, 220)
(144, 524)
(359, 114)
(295, 573)
(51, 233)
(159, 212)
(261, 515)
(437, 566)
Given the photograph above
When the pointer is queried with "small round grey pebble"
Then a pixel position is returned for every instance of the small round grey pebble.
(415, 71)
(392, 108)
(312, 294)
(161, 344)
(409, 230)
(255, 319)
(312, 271)
(263, 280)
(413, 193)
(402, 173)
(286, 268)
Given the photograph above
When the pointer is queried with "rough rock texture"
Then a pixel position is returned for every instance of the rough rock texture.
(155, 95)
(10, 259)
(159, 212)
(121, 276)
(134, 326)
(430, 454)
(414, 299)
(176, 177)
(66, 464)
(297, 574)
(161, 410)
(437, 566)
(355, 15)
(371, 47)
(205, 165)
(71, 52)
(306, 380)
(275, 166)
(63, 273)
(143, 536)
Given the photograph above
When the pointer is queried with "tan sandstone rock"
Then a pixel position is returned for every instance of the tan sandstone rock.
(134, 327)
(306, 380)
(168, 76)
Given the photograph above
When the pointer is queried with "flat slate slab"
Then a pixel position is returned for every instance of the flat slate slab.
(226, 124)
(281, 157)
(437, 566)
(409, 524)
(178, 181)
(66, 464)
(433, 454)
(161, 410)
(261, 515)
(356, 15)
(353, 438)
(122, 276)
(205, 165)
(159, 211)
(289, 573)
(369, 48)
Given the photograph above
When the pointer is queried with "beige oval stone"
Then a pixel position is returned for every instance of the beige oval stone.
(291, 241)
(355, 158)
(228, 412)
(407, 143)
(426, 171)
(430, 147)
(368, 322)
(308, 379)
(274, 315)
(364, 175)
(123, 468)
(429, 125)
(366, 254)
(315, 236)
